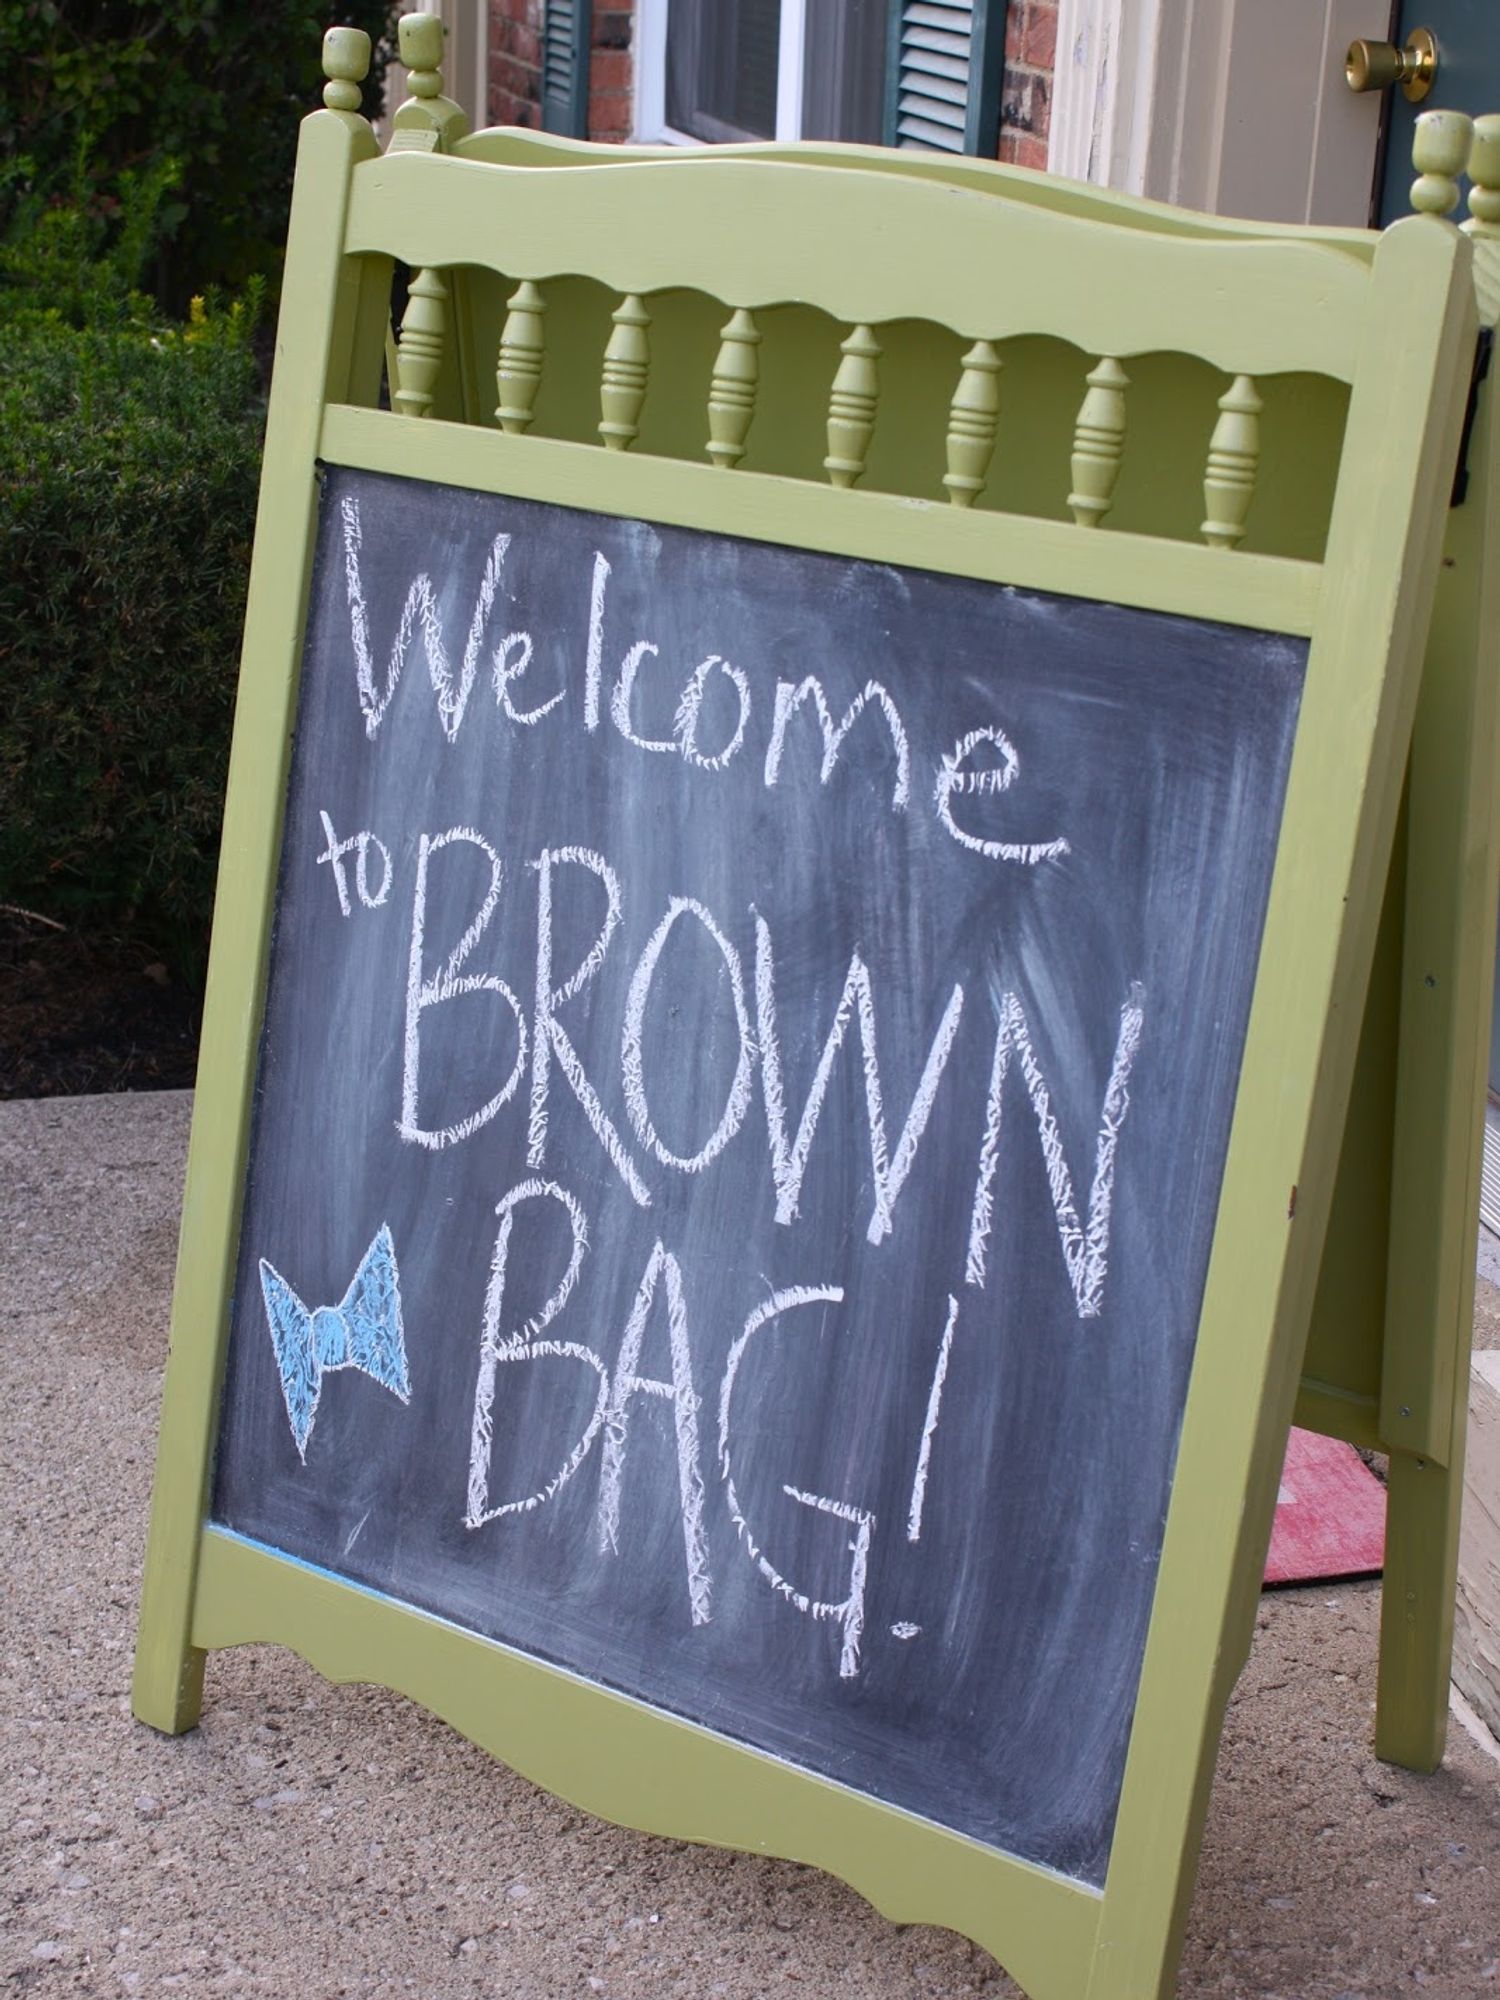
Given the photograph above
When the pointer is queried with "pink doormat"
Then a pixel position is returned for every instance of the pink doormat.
(1330, 1514)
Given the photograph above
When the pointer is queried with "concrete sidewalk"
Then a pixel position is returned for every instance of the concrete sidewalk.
(315, 1841)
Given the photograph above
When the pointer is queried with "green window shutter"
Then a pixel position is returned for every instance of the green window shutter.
(565, 67)
(944, 64)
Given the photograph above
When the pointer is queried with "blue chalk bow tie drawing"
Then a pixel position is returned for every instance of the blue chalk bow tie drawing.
(362, 1331)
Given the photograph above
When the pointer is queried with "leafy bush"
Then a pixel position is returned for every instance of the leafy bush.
(143, 146)
(217, 87)
(64, 261)
(129, 457)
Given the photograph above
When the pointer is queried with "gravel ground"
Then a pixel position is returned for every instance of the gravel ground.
(318, 1841)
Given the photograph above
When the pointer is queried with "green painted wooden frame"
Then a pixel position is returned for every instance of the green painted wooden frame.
(1386, 1359)
(1397, 327)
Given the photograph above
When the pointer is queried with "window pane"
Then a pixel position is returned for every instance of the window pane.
(843, 89)
(721, 67)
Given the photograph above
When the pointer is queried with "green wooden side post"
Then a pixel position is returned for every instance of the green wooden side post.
(1453, 881)
(312, 365)
(1449, 784)
(1388, 524)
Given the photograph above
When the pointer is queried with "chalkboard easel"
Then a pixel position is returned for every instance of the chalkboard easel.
(359, 503)
(1386, 1361)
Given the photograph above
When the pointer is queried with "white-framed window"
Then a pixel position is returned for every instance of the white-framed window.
(721, 70)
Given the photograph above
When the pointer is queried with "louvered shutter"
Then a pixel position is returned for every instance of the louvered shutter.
(944, 67)
(565, 67)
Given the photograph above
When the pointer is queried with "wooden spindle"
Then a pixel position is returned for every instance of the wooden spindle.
(731, 394)
(419, 346)
(1233, 459)
(973, 421)
(1098, 442)
(518, 373)
(851, 407)
(1439, 152)
(626, 361)
(346, 64)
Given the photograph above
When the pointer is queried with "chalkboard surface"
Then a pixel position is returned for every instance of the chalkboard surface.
(746, 1077)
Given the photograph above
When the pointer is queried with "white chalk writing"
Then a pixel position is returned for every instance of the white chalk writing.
(520, 1345)
(1085, 1252)
(664, 1269)
(450, 984)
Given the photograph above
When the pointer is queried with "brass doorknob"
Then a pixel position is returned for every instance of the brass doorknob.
(1377, 65)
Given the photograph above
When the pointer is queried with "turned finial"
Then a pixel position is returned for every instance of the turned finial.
(1439, 152)
(420, 40)
(1484, 172)
(427, 122)
(346, 64)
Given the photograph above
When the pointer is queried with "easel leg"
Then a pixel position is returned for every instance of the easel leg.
(167, 1691)
(1447, 968)
(328, 336)
(1416, 1612)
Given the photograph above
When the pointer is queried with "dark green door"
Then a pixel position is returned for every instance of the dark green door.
(1467, 33)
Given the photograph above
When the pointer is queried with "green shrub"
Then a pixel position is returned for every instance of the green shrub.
(144, 146)
(64, 261)
(129, 456)
(218, 87)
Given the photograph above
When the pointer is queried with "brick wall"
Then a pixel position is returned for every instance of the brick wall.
(1026, 94)
(515, 62)
(515, 66)
(612, 70)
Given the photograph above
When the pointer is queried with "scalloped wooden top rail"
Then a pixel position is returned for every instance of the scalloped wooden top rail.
(507, 145)
(881, 250)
